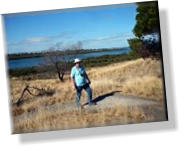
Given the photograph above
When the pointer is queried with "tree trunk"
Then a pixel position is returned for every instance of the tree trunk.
(60, 76)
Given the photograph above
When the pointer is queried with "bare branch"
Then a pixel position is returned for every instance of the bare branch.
(41, 92)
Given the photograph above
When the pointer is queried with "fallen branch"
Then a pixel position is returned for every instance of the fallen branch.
(41, 92)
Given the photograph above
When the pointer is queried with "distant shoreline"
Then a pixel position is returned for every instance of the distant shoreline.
(88, 63)
(58, 52)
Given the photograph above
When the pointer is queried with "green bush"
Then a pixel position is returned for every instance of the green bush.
(135, 44)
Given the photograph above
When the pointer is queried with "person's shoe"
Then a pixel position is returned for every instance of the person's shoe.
(93, 103)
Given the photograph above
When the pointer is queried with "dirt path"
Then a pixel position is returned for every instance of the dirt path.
(109, 100)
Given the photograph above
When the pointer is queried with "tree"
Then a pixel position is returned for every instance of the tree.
(61, 61)
(147, 19)
(58, 62)
(146, 30)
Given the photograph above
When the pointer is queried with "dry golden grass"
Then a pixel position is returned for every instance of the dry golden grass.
(146, 87)
(46, 120)
(140, 78)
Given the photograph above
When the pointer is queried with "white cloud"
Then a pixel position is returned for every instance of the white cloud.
(38, 42)
(36, 39)
(110, 37)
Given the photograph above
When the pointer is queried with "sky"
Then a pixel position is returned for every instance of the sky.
(87, 28)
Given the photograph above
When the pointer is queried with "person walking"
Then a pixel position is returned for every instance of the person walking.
(80, 81)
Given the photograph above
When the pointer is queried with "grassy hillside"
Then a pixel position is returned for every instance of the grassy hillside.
(140, 78)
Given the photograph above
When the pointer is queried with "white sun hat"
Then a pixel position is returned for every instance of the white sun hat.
(77, 60)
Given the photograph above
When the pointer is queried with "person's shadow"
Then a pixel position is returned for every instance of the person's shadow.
(101, 97)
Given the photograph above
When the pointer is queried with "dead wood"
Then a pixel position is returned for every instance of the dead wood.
(41, 92)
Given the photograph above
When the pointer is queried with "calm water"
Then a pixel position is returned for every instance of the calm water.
(29, 62)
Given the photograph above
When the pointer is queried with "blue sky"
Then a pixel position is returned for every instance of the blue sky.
(87, 28)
